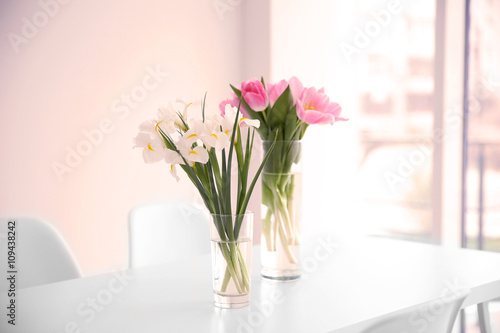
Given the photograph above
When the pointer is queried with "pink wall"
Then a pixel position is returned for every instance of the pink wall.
(68, 78)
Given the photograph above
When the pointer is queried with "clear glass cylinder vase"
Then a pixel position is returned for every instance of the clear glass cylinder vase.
(231, 238)
(281, 211)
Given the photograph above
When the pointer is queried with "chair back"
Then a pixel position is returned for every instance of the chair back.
(39, 256)
(437, 316)
(163, 232)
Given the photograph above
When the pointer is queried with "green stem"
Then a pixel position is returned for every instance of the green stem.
(225, 282)
(285, 220)
(276, 224)
(244, 270)
(235, 269)
(279, 218)
(266, 228)
(286, 247)
(232, 269)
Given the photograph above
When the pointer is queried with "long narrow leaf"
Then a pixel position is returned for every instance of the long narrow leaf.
(222, 193)
(252, 185)
(201, 189)
(203, 107)
(216, 170)
(229, 162)
(251, 113)
(189, 171)
(213, 189)
(245, 169)
(241, 171)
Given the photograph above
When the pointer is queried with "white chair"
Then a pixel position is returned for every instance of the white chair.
(41, 254)
(437, 316)
(483, 314)
(163, 232)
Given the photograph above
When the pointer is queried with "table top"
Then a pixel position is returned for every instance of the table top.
(344, 282)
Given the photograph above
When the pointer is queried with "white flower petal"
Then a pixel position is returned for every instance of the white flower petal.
(198, 154)
(153, 154)
(230, 112)
(190, 137)
(166, 125)
(142, 140)
(250, 122)
(147, 126)
(173, 172)
(172, 157)
(223, 141)
(168, 119)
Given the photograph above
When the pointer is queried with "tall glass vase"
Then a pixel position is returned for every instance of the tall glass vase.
(231, 237)
(281, 211)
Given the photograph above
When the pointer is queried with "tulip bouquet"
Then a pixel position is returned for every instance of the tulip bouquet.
(203, 149)
(284, 111)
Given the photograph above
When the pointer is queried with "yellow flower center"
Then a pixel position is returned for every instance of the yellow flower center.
(309, 106)
(156, 126)
(150, 148)
(213, 134)
(192, 136)
(193, 152)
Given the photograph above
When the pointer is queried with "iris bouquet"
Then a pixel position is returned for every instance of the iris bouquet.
(204, 148)
(284, 110)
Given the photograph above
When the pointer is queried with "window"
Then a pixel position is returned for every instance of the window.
(483, 169)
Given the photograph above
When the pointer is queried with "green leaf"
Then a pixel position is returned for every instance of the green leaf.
(167, 139)
(215, 168)
(185, 125)
(203, 107)
(192, 174)
(254, 181)
(251, 113)
(201, 189)
(241, 170)
(275, 134)
(280, 109)
(229, 164)
(245, 167)
(212, 189)
(202, 175)
(303, 129)
(267, 194)
(222, 193)
(236, 90)
(292, 128)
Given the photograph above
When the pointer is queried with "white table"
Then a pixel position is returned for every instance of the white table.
(344, 283)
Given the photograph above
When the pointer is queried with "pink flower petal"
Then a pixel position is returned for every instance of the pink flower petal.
(255, 95)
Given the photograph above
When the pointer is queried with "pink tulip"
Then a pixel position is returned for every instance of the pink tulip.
(314, 107)
(296, 87)
(254, 94)
(275, 90)
(234, 103)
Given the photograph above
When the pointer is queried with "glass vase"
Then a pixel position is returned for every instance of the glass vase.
(231, 238)
(281, 211)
